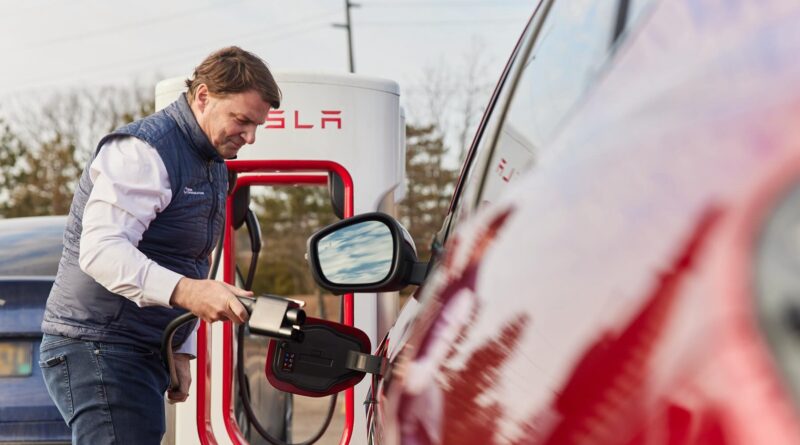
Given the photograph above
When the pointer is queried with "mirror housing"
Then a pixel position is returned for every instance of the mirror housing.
(403, 268)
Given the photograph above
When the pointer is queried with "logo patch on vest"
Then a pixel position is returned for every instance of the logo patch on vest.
(189, 191)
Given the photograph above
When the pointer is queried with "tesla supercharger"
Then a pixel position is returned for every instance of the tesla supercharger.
(353, 123)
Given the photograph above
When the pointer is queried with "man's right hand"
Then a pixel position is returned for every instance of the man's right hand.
(210, 300)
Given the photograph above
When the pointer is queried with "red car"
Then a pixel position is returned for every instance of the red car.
(621, 260)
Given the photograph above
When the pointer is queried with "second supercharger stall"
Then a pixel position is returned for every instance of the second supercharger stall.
(349, 124)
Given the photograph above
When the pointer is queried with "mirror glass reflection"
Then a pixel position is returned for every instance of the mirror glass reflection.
(357, 254)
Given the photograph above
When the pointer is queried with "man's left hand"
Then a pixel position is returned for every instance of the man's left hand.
(184, 373)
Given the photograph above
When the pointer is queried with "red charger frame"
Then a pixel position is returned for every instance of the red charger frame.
(274, 172)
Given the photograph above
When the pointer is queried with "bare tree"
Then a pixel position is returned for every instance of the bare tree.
(474, 94)
(436, 92)
(444, 108)
(11, 150)
(451, 98)
(59, 135)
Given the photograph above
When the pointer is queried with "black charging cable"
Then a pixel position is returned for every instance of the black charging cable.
(252, 226)
(172, 327)
(248, 408)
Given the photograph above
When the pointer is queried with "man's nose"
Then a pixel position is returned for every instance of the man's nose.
(249, 136)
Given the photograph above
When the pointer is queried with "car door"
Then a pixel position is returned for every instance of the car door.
(428, 397)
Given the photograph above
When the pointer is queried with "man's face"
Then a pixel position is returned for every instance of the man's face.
(229, 121)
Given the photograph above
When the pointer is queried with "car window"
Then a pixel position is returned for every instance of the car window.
(569, 52)
(478, 157)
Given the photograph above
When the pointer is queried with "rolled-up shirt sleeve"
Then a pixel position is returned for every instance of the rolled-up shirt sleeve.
(131, 186)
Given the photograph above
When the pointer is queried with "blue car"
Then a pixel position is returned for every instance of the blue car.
(30, 249)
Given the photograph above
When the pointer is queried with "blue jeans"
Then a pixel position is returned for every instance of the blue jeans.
(106, 392)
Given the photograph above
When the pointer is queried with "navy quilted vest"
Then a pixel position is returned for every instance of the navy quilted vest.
(180, 238)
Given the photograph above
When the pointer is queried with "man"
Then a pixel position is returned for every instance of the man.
(145, 217)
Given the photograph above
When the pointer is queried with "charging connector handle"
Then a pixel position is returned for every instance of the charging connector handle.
(270, 315)
(277, 317)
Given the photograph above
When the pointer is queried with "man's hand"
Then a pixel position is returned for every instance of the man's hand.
(210, 300)
(184, 374)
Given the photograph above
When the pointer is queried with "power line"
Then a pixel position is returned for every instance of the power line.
(440, 22)
(37, 9)
(279, 31)
(183, 53)
(446, 4)
(133, 25)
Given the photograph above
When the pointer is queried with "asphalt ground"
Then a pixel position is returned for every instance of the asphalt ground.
(309, 413)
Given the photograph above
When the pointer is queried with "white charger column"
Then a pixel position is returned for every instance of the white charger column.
(350, 119)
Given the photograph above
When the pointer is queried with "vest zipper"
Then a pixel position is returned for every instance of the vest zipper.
(213, 209)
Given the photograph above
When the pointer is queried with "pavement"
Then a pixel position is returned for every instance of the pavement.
(309, 413)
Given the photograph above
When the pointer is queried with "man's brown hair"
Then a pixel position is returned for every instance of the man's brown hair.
(233, 70)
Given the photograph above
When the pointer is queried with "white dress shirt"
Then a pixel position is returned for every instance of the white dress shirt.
(131, 186)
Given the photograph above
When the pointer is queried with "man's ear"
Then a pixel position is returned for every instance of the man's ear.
(201, 97)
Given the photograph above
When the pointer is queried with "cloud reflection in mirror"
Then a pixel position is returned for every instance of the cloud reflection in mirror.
(357, 254)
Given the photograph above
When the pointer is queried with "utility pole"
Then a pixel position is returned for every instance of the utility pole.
(348, 26)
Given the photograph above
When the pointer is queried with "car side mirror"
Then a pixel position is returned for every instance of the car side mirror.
(371, 252)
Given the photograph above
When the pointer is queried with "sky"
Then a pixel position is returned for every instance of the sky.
(49, 45)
